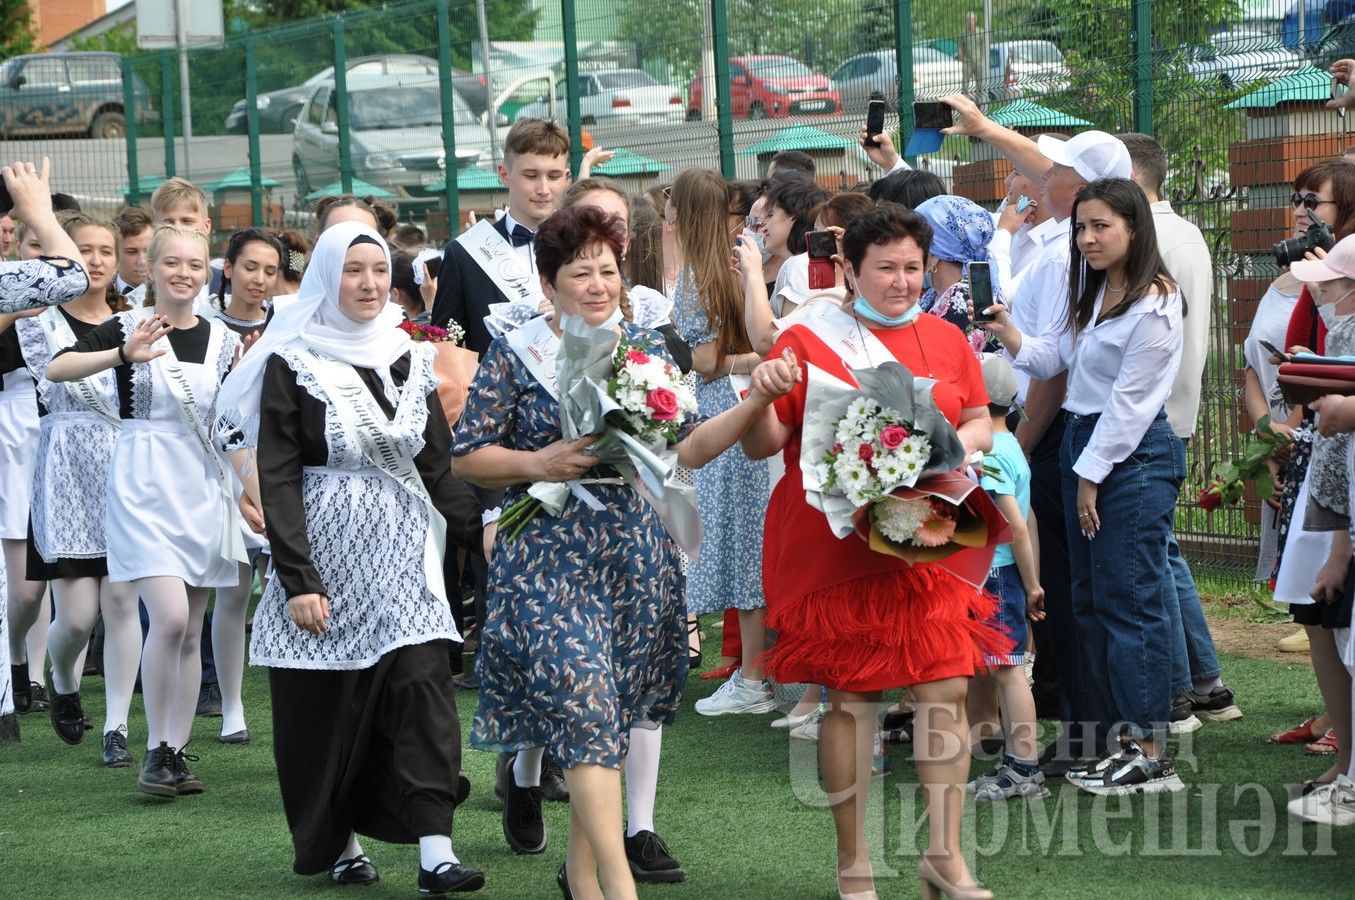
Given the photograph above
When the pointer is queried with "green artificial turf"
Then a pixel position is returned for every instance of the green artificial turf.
(727, 806)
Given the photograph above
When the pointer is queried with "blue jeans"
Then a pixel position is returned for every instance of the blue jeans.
(1193, 656)
(1123, 586)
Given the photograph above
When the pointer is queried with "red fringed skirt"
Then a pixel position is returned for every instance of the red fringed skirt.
(885, 630)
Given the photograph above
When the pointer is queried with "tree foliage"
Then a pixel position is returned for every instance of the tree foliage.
(17, 34)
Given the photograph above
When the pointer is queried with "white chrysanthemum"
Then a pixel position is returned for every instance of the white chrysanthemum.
(899, 519)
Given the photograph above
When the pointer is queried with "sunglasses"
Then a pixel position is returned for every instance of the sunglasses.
(1308, 200)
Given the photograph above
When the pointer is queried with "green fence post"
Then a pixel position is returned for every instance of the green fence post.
(450, 166)
(724, 113)
(903, 65)
(341, 106)
(167, 116)
(252, 121)
(130, 109)
(571, 39)
(1143, 66)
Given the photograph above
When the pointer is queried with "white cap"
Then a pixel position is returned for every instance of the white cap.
(1092, 154)
(1338, 263)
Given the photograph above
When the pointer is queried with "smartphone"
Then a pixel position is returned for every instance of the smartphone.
(6, 201)
(433, 266)
(875, 121)
(1276, 351)
(1338, 91)
(822, 246)
(932, 115)
(981, 290)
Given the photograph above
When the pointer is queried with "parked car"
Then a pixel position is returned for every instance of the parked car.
(1025, 69)
(867, 75)
(1235, 58)
(395, 136)
(68, 93)
(279, 109)
(771, 86)
(614, 95)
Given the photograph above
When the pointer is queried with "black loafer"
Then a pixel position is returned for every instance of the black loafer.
(562, 879)
(358, 870)
(236, 737)
(553, 786)
(66, 713)
(450, 878)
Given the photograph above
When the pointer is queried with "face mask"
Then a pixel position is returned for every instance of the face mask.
(1328, 311)
(863, 309)
(760, 241)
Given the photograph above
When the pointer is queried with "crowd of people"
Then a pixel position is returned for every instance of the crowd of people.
(296, 389)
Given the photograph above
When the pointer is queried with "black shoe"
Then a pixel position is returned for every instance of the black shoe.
(462, 792)
(562, 879)
(38, 693)
(23, 698)
(1217, 706)
(650, 861)
(67, 715)
(209, 701)
(467, 682)
(358, 870)
(553, 786)
(237, 737)
(185, 782)
(523, 827)
(157, 772)
(116, 754)
(450, 878)
(1183, 718)
(1132, 772)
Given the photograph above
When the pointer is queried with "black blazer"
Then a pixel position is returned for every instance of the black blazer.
(465, 292)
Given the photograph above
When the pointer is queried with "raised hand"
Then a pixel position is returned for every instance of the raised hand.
(139, 348)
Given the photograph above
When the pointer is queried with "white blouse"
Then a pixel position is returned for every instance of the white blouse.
(1122, 368)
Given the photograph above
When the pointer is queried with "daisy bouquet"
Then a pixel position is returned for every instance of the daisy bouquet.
(638, 403)
(880, 460)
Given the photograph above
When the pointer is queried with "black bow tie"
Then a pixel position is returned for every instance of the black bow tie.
(521, 236)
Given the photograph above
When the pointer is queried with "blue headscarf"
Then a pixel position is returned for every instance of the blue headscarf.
(961, 231)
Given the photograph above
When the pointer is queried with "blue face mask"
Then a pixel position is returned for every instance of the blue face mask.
(926, 281)
(863, 309)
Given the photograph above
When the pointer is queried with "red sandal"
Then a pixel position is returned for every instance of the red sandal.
(1299, 734)
(1323, 746)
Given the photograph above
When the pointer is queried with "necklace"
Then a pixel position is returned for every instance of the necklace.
(913, 328)
(1119, 289)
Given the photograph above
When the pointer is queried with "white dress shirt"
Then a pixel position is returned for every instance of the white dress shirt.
(1121, 368)
(1186, 256)
(1039, 304)
(527, 252)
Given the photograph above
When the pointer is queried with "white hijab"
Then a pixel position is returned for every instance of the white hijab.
(315, 321)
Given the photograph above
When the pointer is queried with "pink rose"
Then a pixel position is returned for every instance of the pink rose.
(639, 357)
(866, 452)
(663, 402)
(893, 437)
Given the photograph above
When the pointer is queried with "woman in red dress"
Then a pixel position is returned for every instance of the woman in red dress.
(858, 621)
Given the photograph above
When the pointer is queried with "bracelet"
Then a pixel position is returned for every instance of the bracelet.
(122, 355)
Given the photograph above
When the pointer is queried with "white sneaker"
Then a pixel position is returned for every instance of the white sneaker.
(789, 721)
(1329, 804)
(808, 731)
(738, 696)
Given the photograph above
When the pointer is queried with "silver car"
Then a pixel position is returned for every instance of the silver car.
(869, 74)
(395, 136)
(1237, 58)
(614, 96)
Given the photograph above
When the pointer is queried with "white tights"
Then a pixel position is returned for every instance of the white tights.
(171, 663)
(642, 778)
(29, 610)
(228, 648)
(78, 603)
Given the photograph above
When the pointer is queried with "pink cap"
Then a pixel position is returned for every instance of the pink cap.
(1338, 263)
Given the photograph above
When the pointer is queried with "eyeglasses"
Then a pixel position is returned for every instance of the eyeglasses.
(754, 223)
(1308, 200)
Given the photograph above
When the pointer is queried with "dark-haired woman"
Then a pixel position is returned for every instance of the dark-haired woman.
(860, 622)
(354, 626)
(1123, 467)
(585, 628)
(249, 276)
(79, 426)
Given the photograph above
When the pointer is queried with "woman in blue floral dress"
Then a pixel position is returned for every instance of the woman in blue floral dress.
(733, 491)
(585, 633)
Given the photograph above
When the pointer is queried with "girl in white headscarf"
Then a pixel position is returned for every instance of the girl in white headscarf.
(352, 462)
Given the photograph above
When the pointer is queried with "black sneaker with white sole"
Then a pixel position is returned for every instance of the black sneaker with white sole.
(1080, 772)
(1133, 772)
(1217, 706)
(1184, 720)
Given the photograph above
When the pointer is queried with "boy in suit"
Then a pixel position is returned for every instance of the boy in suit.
(496, 262)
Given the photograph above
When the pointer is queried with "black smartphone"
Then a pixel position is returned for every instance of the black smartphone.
(875, 121)
(932, 115)
(1276, 351)
(433, 266)
(981, 290)
(6, 201)
(821, 244)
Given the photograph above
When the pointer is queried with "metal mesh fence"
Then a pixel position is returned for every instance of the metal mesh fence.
(1233, 90)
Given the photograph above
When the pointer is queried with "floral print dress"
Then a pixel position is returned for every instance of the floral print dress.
(732, 491)
(585, 627)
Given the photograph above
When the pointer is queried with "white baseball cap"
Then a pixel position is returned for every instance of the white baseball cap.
(1092, 154)
(1338, 263)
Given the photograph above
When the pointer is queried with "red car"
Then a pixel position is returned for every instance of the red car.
(763, 87)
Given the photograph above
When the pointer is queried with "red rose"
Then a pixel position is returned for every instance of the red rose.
(837, 448)
(866, 452)
(407, 326)
(893, 437)
(637, 356)
(1210, 498)
(663, 403)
